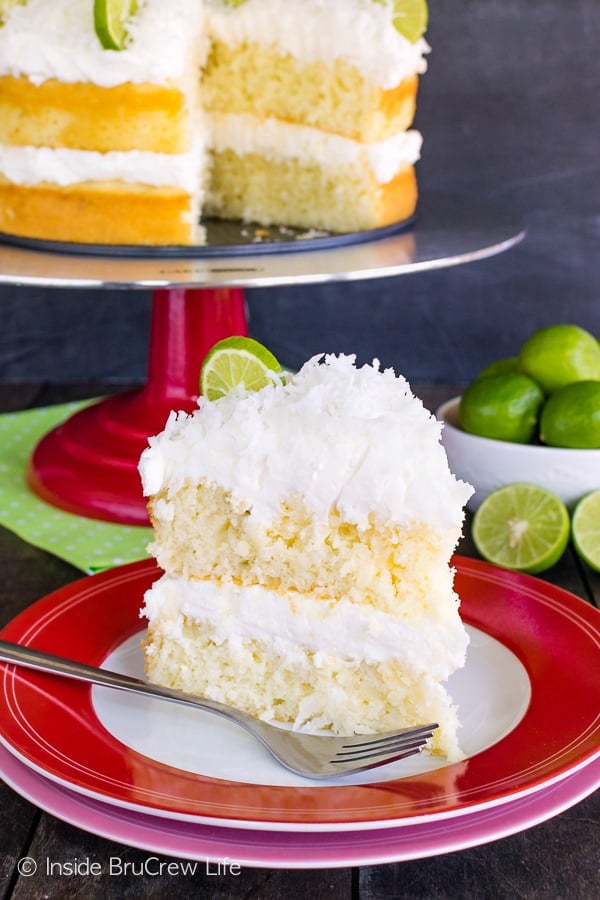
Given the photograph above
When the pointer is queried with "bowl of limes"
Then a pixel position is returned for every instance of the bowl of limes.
(532, 418)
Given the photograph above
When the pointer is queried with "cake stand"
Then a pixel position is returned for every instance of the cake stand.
(88, 465)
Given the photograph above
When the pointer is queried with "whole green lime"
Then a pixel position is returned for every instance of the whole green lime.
(504, 366)
(502, 407)
(559, 355)
(571, 417)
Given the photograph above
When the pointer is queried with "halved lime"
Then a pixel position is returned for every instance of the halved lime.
(521, 526)
(110, 21)
(585, 529)
(235, 362)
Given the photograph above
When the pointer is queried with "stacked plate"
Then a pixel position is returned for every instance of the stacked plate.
(188, 784)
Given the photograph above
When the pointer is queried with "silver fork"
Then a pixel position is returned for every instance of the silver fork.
(311, 755)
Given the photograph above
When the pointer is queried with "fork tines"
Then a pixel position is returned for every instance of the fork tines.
(403, 742)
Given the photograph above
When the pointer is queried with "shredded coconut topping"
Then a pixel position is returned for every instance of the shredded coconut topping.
(340, 436)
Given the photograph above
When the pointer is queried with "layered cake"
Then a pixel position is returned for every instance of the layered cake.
(291, 112)
(101, 146)
(305, 532)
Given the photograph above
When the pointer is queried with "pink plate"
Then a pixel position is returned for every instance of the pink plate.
(51, 724)
(299, 850)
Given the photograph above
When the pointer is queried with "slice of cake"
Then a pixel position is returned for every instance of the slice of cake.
(306, 532)
(291, 112)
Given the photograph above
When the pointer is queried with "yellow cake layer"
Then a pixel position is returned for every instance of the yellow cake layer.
(82, 116)
(201, 533)
(342, 696)
(256, 189)
(97, 213)
(252, 79)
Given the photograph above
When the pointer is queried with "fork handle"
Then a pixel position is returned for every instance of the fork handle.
(57, 665)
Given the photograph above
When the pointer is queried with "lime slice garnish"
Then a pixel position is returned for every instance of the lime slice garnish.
(110, 22)
(6, 6)
(238, 362)
(585, 528)
(411, 18)
(521, 526)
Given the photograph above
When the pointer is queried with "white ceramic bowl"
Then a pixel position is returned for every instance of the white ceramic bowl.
(487, 464)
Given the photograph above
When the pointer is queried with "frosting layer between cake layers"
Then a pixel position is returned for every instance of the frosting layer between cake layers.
(291, 625)
(334, 665)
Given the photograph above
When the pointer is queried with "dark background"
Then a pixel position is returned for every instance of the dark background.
(509, 111)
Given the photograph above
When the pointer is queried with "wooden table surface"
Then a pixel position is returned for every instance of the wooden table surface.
(556, 860)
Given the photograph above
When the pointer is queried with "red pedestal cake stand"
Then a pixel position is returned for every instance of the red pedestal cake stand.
(89, 464)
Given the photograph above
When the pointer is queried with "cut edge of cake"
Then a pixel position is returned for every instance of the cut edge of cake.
(62, 94)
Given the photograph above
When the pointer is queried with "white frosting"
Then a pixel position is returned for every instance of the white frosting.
(337, 435)
(278, 140)
(44, 39)
(56, 38)
(243, 134)
(291, 625)
(360, 32)
(36, 165)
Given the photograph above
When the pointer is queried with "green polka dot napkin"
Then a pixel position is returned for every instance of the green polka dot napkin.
(88, 544)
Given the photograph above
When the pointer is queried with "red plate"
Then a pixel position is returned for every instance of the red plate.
(51, 724)
(294, 850)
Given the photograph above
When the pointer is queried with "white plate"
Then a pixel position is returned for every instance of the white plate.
(492, 691)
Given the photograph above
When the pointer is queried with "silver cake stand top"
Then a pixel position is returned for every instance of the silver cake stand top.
(448, 230)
